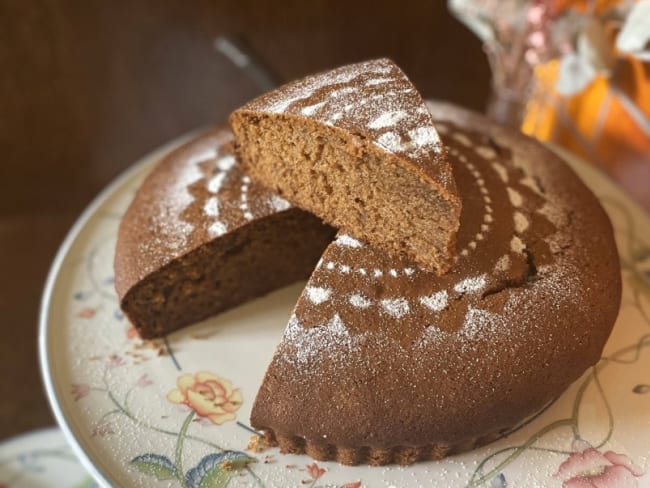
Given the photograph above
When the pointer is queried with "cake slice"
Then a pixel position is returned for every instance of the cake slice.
(385, 363)
(200, 238)
(357, 147)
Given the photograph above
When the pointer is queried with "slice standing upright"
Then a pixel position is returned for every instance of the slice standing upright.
(357, 147)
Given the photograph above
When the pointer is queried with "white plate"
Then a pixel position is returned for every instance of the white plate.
(41, 459)
(109, 390)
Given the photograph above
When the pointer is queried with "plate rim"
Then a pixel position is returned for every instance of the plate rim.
(44, 330)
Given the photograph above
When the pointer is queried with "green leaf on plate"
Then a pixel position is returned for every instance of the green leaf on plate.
(155, 465)
(217, 469)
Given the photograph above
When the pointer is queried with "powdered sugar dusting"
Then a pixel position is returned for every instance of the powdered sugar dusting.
(344, 91)
(312, 109)
(331, 339)
(217, 229)
(318, 294)
(436, 302)
(483, 190)
(168, 219)
(553, 213)
(224, 178)
(211, 207)
(387, 119)
(308, 86)
(226, 162)
(419, 138)
(396, 307)
(359, 301)
(485, 152)
(278, 203)
(216, 182)
(462, 138)
(332, 120)
(471, 284)
(425, 136)
(478, 321)
(347, 241)
(515, 197)
(517, 245)
(336, 326)
(503, 264)
(390, 142)
(530, 182)
(501, 171)
(521, 222)
(378, 81)
(243, 197)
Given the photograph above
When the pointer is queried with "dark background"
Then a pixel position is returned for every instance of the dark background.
(88, 87)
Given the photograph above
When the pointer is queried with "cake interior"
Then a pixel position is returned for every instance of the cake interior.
(249, 262)
(359, 188)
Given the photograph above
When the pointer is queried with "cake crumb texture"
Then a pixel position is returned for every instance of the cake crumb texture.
(357, 147)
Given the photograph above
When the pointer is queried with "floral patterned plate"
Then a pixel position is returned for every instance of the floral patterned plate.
(134, 414)
(42, 459)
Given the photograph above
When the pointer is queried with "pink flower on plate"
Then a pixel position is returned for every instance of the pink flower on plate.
(87, 313)
(79, 390)
(315, 471)
(354, 484)
(132, 333)
(144, 381)
(589, 468)
(102, 429)
(114, 360)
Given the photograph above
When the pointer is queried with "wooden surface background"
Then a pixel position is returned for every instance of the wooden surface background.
(86, 88)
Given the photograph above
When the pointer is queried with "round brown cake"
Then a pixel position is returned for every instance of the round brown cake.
(383, 362)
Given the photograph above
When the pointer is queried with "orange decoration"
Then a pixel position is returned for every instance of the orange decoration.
(601, 124)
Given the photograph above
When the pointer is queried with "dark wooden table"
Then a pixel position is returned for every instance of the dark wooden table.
(86, 88)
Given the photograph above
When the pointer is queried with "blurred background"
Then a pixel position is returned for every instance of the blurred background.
(87, 88)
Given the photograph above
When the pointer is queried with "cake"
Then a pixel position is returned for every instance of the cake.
(383, 362)
(200, 238)
(357, 147)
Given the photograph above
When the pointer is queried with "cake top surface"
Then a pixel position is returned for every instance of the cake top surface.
(509, 230)
(195, 194)
(535, 289)
(373, 100)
